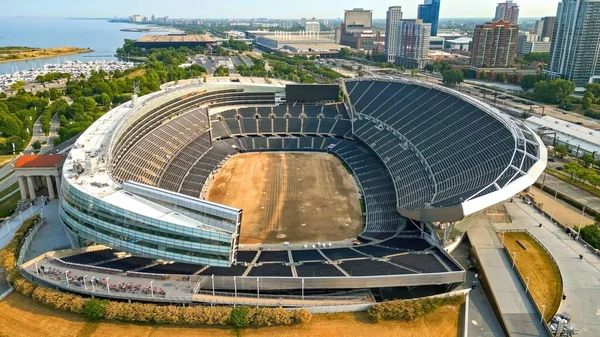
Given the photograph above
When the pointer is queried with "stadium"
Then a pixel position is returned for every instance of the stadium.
(295, 190)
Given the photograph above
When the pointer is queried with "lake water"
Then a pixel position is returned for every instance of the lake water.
(100, 35)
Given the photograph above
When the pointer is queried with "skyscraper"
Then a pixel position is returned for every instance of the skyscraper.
(548, 28)
(394, 14)
(539, 27)
(576, 42)
(494, 45)
(429, 12)
(507, 11)
(412, 43)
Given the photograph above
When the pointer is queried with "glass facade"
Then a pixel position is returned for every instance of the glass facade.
(89, 218)
(430, 13)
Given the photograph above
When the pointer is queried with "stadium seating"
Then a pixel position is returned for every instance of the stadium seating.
(91, 257)
(172, 269)
(224, 271)
(126, 264)
(246, 256)
(367, 267)
(424, 263)
(434, 122)
(318, 269)
(306, 255)
(273, 256)
(341, 253)
(271, 269)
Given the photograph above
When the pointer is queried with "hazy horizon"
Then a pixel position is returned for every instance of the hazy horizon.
(238, 9)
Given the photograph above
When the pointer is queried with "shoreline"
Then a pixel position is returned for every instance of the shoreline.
(73, 51)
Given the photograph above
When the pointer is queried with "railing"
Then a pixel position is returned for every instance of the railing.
(28, 239)
(362, 298)
(523, 282)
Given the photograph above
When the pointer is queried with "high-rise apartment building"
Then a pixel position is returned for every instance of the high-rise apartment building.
(495, 45)
(412, 43)
(507, 11)
(394, 14)
(575, 42)
(358, 18)
(538, 29)
(429, 12)
(548, 28)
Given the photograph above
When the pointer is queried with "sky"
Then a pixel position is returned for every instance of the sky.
(284, 9)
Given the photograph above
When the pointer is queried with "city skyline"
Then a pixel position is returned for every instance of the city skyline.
(263, 8)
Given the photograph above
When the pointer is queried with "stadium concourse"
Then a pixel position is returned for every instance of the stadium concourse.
(424, 158)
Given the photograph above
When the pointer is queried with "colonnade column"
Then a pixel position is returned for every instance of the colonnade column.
(50, 187)
(31, 187)
(23, 188)
(57, 181)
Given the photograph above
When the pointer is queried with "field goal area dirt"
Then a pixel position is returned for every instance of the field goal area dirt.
(289, 197)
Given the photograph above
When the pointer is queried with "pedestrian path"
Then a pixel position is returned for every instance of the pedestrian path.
(517, 309)
(581, 277)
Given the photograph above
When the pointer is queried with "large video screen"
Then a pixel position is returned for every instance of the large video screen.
(312, 92)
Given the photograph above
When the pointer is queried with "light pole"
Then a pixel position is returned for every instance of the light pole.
(514, 259)
(152, 288)
(84, 282)
(581, 222)
(527, 285)
(107, 285)
(235, 286)
(212, 279)
(554, 203)
(37, 270)
(21, 216)
(92, 282)
(258, 287)
(543, 313)
(67, 277)
(303, 289)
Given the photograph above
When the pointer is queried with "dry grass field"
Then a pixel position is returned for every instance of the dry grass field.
(544, 277)
(22, 317)
(9, 54)
(294, 197)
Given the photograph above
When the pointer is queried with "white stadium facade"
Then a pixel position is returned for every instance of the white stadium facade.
(424, 156)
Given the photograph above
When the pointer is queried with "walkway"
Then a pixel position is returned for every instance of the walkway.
(519, 312)
(482, 319)
(581, 278)
(9, 228)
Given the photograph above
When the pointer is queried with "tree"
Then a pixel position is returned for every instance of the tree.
(452, 77)
(573, 168)
(562, 150)
(593, 88)
(36, 145)
(414, 72)
(429, 68)
(95, 309)
(17, 85)
(554, 91)
(239, 317)
(588, 159)
(537, 57)
(485, 76)
(528, 82)
(501, 77)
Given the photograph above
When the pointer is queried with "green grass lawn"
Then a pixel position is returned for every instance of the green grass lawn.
(9, 205)
(8, 190)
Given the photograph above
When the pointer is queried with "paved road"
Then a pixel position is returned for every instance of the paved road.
(38, 134)
(8, 181)
(7, 169)
(518, 310)
(571, 191)
(581, 278)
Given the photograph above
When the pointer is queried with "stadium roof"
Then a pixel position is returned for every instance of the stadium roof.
(39, 161)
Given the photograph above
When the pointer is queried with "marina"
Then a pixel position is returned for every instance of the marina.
(75, 68)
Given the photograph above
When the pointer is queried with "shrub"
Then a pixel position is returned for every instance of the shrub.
(239, 317)
(411, 309)
(302, 316)
(95, 309)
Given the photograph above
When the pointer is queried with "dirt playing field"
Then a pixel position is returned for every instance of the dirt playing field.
(293, 197)
(22, 317)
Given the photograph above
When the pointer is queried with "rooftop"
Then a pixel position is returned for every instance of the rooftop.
(43, 160)
(177, 38)
(573, 130)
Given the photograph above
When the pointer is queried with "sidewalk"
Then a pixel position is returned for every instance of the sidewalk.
(519, 312)
(8, 230)
(581, 278)
(571, 191)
